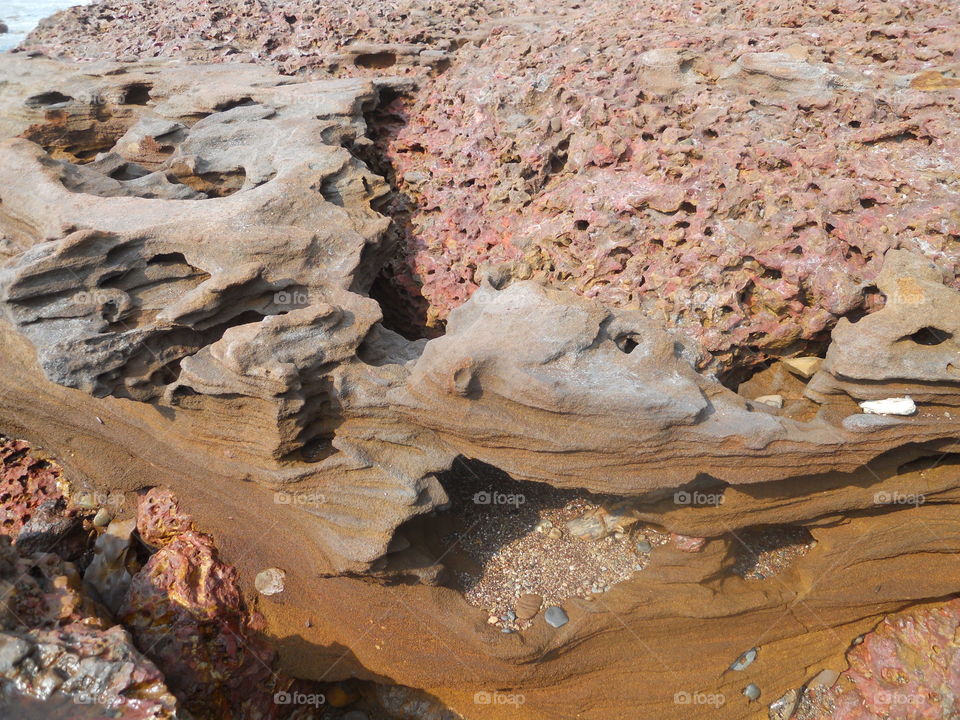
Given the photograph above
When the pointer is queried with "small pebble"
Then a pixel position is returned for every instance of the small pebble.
(555, 616)
(269, 581)
(102, 518)
(890, 406)
(643, 546)
(528, 605)
(771, 400)
(825, 678)
(493, 620)
(752, 692)
(745, 660)
(805, 367)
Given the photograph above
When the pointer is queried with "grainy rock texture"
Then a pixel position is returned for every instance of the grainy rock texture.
(189, 253)
(303, 36)
(740, 172)
(906, 668)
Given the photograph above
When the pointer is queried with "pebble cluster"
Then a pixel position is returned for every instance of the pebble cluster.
(524, 552)
(767, 551)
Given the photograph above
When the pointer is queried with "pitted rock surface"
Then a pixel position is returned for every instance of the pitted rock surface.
(738, 171)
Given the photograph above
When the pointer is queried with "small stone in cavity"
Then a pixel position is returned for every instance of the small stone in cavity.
(528, 606)
(890, 406)
(555, 616)
(102, 518)
(269, 581)
(805, 367)
(782, 708)
(643, 546)
(772, 400)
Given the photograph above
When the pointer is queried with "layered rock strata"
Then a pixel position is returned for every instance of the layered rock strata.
(188, 252)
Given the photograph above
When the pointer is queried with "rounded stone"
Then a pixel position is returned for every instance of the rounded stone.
(269, 581)
(528, 606)
(556, 616)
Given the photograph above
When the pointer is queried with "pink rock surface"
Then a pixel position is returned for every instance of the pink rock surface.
(338, 36)
(736, 169)
(908, 668)
(26, 482)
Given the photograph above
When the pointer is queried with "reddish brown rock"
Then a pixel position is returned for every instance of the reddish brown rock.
(26, 483)
(907, 668)
(160, 518)
(184, 608)
(737, 171)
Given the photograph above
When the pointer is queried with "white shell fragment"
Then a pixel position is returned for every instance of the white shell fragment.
(745, 660)
(269, 581)
(890, 406)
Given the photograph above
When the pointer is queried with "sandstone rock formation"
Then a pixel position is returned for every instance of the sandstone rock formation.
(189, 254)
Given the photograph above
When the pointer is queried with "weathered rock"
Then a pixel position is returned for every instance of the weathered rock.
(190, 306)
(80, 672)
(369, 37)
(743, 183)
(27, 483)
(528, 606)
(42, 591)
(160, 518)
(906, 668)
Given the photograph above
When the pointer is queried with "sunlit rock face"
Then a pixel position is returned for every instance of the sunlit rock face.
(212, 274)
